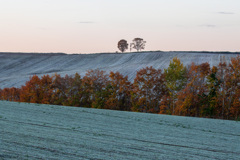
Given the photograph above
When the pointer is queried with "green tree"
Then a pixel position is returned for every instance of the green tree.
(211, 98)
(175, 80)
(75, 91)
(95, 84)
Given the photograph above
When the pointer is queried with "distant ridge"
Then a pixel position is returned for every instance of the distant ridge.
(28, 53)
(61, 53)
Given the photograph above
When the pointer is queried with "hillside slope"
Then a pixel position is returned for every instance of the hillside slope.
(16, 68)
(33, 131)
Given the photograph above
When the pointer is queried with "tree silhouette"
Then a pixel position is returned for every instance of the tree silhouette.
(138, 44)
(122, 45)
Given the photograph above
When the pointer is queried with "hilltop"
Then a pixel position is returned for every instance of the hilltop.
(16, 68)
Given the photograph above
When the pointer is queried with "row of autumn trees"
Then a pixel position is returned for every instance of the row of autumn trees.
(195, 90)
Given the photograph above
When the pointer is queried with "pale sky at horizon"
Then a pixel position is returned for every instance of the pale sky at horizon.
(95, 26)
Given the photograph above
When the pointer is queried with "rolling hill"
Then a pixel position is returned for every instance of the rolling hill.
(16, 68)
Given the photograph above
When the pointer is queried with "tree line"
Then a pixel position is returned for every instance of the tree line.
(194, 90)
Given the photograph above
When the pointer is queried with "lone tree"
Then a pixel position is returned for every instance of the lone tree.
(122, 45)
(138, 44)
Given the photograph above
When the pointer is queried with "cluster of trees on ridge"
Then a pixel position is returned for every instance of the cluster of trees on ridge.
(138, 44)
(195, 90)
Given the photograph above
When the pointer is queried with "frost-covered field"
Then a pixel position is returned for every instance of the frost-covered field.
(33, 131)
(15, 69)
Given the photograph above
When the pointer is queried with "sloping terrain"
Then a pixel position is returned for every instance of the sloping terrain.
(16, 68)
(33, 131)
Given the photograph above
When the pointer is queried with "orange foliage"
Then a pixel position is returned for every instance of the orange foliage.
(189, 102)
(119, 89)
(204, 92)
(148, 89)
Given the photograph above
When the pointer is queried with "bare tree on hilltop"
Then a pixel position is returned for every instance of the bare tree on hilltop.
(122, 45)
(138, 44)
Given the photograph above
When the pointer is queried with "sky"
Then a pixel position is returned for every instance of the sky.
(96, 26)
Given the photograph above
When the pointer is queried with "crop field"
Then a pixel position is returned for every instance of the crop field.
(16, 68)
(34, 131)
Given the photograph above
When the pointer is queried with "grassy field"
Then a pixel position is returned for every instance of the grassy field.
(33, 131)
